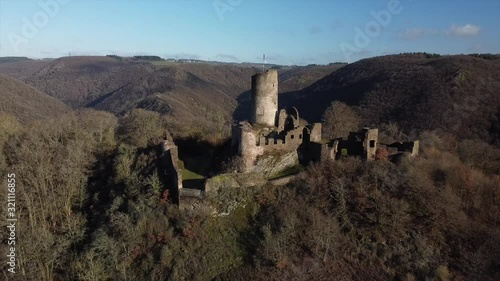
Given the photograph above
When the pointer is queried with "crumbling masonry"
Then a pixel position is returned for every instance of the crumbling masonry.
(270, 131)
(170, 159)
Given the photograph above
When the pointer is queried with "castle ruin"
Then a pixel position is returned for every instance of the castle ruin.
(271, 132)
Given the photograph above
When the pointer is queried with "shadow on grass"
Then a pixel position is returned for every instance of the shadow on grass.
(198, 184)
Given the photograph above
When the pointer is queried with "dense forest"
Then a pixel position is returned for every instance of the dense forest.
(457, 94)
(91, 200)
(92, 207)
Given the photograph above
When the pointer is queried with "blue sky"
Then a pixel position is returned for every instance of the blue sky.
(287, 31)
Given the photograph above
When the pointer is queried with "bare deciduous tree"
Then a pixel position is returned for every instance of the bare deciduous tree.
(339, 120)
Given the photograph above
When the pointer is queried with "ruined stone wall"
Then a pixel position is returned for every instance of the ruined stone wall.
(281, 120)
(316, 132)
(370, 143)
(252, 144)
(173, 157)
(415, 147)
(171, 162)
(323, 152)
(247, 148)
(285, 142)
(295, 137)
(265, 98)
(411, 147)
(363, 143)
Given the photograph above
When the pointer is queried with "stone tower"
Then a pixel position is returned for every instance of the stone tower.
(370, 142)
(265, 98)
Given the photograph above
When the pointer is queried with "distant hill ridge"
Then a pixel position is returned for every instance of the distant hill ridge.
(199, 94)
(27, 103)
(458, 94)
(13, 59)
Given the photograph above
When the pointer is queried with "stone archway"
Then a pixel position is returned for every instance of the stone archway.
(306, 133)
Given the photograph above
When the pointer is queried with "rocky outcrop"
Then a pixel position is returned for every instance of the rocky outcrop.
(271, 166)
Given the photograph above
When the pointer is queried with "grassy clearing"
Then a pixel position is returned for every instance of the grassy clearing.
(191, 179)
(188, 174)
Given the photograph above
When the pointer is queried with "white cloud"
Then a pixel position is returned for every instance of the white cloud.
(464, 30)
(415, 33)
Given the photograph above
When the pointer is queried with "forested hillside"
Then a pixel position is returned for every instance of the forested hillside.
(457, 94)
(92, 206)
(27, 103)
(198, 98)
(92, 196)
